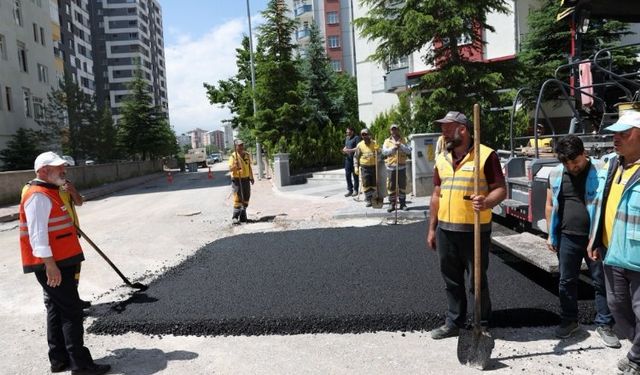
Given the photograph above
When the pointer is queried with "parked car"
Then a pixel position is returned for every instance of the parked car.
(69, 160)
(89, 162)
(214, 158)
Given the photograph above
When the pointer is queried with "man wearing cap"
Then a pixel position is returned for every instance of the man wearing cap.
(395, 151)
(50, 249)
(365, 159)
(451, 217)
(616, 234)
(350, 143)
(241, 181)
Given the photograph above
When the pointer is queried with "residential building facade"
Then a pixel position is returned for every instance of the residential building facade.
(379, 85)
(127, 35)
(27, 67)
(216, 138)
(74, 45)
(333, 18)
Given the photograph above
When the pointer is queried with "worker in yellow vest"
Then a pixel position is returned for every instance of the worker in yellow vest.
(241, 178)
(451, 217)
(395, 150)
(365, 159)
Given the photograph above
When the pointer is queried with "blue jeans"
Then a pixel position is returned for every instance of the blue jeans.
(572, 249)
(350, 173)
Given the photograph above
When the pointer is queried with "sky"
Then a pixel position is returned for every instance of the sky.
(200, 38)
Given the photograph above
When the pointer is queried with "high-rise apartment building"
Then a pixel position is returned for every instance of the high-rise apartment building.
(74, 46)
(27, 68)
(333, 18)
(127, 34)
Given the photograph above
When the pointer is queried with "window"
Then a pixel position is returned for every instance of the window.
(26, 95)
(17, 12)
(35, 32)
(38, 109)
(9, 98)
(334, 41)
(1, 105)
(22, 57)
(332, 18)
(42, 39)
(3, 47)
(336, 65)
(43, 73)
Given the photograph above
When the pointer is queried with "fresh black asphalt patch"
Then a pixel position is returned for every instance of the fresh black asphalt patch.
(342, 280)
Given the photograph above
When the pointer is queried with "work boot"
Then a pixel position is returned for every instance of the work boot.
(403, 205)
(608, 337)
(444, 331)
(355, 194)
(349, 193)
(93, 369)
(64, 366)
(391, 208)
(369, 204)
(243, 216)
(566, 329)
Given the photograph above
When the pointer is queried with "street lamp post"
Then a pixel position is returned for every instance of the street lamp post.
(253, 96)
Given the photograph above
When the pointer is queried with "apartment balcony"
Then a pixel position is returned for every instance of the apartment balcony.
(304, 11)
(396, 80)
(303, 35)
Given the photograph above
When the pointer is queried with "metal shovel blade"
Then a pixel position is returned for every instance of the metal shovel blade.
(474, 347)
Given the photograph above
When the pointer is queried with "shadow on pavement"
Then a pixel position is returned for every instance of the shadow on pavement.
(136, 361)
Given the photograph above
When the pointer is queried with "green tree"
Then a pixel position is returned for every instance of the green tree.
(69, 120)
(106, 147)
(143, 130)
(235, 92)
(277, 94)
(404, 27)
(21, 150)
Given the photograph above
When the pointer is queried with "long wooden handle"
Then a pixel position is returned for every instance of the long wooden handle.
(477, 252)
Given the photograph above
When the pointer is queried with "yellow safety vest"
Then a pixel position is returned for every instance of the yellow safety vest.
(245, 164)
(367, 153)
(391, 159)
(455, 212)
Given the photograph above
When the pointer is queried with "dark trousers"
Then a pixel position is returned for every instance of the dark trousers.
(455, 250)
(65, 331)
(369, 181)
(623, 295)
(391, 185)
(241, 195)
(571, 251)
(350, 173)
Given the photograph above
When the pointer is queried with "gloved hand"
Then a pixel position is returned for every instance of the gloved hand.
(356, 171)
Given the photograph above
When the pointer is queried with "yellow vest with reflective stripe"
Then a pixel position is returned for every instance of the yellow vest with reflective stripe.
(367, 153)
(391, 159)
(244, 161)
(455, 211)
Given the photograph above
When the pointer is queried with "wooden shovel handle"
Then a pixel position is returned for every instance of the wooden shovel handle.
(477, 252)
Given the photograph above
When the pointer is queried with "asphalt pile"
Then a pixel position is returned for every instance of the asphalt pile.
(342, 280)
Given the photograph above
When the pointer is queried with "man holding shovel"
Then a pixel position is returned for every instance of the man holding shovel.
(241, 178)
(451, 217)
(395, 150)
(50, 249)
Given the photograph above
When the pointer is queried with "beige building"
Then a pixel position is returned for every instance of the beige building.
(27, 67)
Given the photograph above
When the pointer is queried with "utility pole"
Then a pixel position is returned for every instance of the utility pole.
(253, 89)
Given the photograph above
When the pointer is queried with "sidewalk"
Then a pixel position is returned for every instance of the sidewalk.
(10, 213)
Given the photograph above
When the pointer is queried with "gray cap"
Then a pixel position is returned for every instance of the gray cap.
(238, 142)
(394, 126)
(454, 116)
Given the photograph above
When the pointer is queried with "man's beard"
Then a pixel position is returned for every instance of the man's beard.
(58, 179)
(454, 142)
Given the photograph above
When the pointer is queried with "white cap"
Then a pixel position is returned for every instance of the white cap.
(48, 158)
(628, 120)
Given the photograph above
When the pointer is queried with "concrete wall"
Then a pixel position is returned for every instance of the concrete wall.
(83, 177)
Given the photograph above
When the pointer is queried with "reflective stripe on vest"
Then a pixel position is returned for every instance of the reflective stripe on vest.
(63, 238)
(455, 213)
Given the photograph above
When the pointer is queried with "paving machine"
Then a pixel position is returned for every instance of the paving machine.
(608, 93)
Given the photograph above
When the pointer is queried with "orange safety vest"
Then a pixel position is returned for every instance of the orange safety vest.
(63, 237)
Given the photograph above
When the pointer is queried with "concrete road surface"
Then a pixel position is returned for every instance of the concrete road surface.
(152, 228)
